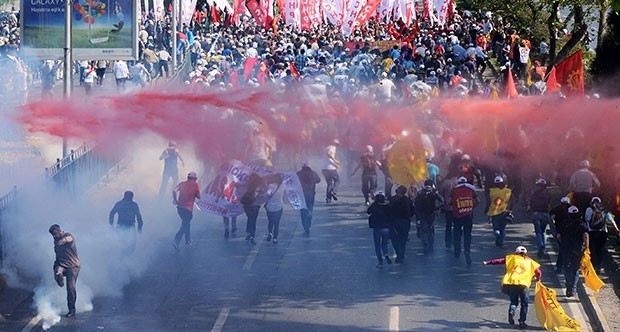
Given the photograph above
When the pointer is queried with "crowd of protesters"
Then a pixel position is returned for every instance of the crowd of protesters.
(387, 61)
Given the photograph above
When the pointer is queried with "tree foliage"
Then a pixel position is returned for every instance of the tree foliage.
(605, 67)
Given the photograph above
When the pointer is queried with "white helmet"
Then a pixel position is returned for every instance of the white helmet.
(521, 250)
(498, 179)
(541, 181)
(461, 179)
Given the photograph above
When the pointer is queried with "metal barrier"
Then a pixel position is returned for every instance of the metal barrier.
(5, 204)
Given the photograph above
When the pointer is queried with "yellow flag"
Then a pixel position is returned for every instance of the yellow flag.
(590, 277)
(550, 313)
(407, 162)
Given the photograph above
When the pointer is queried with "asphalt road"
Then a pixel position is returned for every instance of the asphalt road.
(327, 282)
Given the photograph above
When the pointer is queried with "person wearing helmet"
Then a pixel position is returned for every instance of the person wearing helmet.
(597, 219)
(183, 196)
(467, 169)
(368, 163)
(583, 182)
(463, 200)
(538, 205)
(559, 214)
(379, 221)
(572, 236)
(499, 210)
(520, 269)
(426, 203)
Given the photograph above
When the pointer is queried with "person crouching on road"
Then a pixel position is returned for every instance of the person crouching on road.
(520, 269)
(379, 221)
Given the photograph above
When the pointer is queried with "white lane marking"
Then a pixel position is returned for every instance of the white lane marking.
(252, 256)
(394, 317)
(32, 323)
(221, 319)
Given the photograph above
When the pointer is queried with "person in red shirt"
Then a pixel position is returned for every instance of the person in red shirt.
(187, 191)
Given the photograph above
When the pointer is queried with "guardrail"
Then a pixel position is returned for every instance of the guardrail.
(5, 203)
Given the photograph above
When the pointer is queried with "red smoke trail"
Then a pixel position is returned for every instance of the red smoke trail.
(543, 135)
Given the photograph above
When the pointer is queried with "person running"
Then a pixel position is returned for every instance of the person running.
(463, 200)
(539, 201)
(379, 221)
(308, 179)
(583, 182)
(188, 191)
(402, 210)
(499, 209)
(445, 190)
(330, 171)
(597, 219)
(572, 236)
(67, 264)
(520, 269)
(128, 213)
(426, 203)
(368, 163)
(256, 186)
(559, 214)
(171, 158)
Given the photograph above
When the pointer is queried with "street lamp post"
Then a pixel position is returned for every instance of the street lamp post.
(67, 64)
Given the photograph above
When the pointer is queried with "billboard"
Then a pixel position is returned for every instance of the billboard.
(101, 29)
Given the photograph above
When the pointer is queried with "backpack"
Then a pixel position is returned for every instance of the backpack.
(598, 220)
(425, 201)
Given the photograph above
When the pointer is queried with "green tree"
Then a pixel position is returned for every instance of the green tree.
(605, 67)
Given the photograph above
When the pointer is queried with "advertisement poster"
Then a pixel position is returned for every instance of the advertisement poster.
(101, 29)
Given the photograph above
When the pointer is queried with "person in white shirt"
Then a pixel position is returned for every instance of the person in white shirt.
(139, 74)
(164, 58)
(121, 73)
(90, 76)
(384, 89)
(330, 171)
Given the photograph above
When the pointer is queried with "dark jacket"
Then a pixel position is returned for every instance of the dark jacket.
(380, 215)
(401, 207)
(128, 211)
(308, 179)
(540, 199)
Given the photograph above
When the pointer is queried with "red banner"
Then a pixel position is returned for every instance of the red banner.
(569, 74)
(238, 10)
(304, 11)
(257, 12)
(367, 11)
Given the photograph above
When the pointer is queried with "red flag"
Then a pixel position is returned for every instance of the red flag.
(248, 67)
(570, 76)
(363, 16)
(294, 71)
(215, 15)
(511, 89)
(552, 82)
(257, 12)
(238, 10)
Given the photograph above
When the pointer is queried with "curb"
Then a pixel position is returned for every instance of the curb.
(592, 309)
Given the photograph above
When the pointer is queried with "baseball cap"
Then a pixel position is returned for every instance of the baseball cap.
(192, 174)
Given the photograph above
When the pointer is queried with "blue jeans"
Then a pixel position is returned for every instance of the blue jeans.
(449, 218)
(251, 212)
(273, 219)
(462, 227)
(333, 182)
(369, 185)
(306, 214)
(186, 216)
(499, 228)
(427, 232)
(381, 236)
(517, 293)
(541, 221)
(571, 264)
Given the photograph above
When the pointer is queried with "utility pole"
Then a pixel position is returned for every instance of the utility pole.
(67, 63)
(175, 10)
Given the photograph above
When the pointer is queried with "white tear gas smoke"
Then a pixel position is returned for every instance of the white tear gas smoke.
(107, 260)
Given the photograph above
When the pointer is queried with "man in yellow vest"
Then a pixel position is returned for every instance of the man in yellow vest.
(499, 210)
(520, 269)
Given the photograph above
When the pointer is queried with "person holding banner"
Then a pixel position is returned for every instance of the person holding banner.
(308, 179)
(520, 269)
(573, 237)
